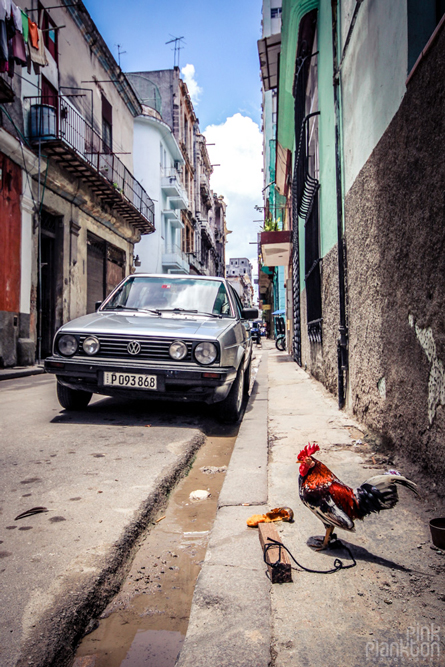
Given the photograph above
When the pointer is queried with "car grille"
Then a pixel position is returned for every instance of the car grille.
(115, 347)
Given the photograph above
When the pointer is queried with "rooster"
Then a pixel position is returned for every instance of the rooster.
(336, 504)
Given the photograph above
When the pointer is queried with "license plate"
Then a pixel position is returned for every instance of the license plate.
(130, 380)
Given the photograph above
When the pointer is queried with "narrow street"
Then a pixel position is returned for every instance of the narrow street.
(222, 333)
(102, 474)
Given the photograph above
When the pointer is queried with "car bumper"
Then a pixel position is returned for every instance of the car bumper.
(185, 383)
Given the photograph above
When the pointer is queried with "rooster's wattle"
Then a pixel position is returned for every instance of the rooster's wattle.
(336, 504)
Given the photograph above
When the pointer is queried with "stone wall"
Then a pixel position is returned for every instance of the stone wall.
(395, 231)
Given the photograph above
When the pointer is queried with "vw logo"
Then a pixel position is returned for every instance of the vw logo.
(133, 347)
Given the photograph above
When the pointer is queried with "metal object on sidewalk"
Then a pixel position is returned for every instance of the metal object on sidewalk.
(280, 570)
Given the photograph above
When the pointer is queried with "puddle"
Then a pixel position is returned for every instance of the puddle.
(146, 622)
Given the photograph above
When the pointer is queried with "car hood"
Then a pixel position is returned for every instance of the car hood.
(142, 324)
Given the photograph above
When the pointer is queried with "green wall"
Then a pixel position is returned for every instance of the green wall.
(328, 189)
(293, 12)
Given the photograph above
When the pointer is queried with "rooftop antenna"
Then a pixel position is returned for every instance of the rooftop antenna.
(119, 54)
(177, 48)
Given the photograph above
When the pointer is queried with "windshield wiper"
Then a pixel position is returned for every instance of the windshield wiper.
(178, 310)
(189, 310)
(138, 310)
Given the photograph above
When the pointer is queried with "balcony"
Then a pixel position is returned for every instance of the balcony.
(68, 138)
(174, 260)
(172, 188)
(206, 233)
(174, 216)
(206, 194)
(276, 248)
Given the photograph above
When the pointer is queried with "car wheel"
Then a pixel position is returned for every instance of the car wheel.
(72, 399)
(247, 376)
(230, 408)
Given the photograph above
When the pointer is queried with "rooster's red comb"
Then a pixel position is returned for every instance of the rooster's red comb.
(307, 451)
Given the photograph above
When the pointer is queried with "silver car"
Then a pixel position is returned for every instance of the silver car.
(175, 337)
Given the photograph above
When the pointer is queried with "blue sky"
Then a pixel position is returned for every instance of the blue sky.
(220, 43)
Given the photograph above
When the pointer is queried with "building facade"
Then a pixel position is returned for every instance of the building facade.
(188, 233)
(75, 210)
(239, 275)
(360, 130)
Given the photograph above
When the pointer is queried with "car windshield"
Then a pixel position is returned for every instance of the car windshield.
(157, 293)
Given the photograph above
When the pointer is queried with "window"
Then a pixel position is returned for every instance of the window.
(423, 17)
(49, 32)
(236, 300)
(107, 126)
(49, 93)
(186, 131)
(275, 12)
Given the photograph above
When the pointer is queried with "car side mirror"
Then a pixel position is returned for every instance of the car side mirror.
(97, 305)
(249, 313)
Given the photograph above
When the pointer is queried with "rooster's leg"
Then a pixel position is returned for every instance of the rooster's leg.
(327, 538)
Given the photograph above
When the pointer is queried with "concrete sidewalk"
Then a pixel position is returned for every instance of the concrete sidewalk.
(20, 371)
(393, 597)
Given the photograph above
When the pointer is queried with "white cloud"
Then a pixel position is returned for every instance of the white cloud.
(238, 149)
(189, 78)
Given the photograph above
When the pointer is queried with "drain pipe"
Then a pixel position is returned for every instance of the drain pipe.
(342, 343)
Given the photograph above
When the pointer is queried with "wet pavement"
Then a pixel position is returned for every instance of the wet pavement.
(147, 621)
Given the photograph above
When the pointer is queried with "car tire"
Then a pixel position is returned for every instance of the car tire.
(230, 408)
(247, 377)
(72, 399)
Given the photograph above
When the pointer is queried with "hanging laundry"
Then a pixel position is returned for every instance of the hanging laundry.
(25, 25)
(33, 33)
(19, 49)
(5, 9)
(38, 55)
(10, 33)
(17, 16)
(4, 53)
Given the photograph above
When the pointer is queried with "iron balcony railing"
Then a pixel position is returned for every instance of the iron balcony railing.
(68, 137)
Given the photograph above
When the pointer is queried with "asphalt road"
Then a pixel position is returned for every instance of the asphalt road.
(102, 474)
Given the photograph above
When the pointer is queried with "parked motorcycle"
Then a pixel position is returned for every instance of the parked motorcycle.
(255, 333)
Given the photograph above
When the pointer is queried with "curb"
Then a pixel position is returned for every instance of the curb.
(12, 373)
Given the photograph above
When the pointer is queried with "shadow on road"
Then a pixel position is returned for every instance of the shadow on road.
(109, 411)
(360, 553)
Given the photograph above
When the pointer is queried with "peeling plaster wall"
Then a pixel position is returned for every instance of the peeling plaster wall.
(395, 232)
(436, 380)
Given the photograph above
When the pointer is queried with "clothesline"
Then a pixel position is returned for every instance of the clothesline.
(21, 40)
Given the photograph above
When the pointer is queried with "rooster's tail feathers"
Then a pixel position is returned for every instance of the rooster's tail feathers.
(380, 493)
(382, 482)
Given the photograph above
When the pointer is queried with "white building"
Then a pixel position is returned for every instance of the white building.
(158, 162)
(239, 266)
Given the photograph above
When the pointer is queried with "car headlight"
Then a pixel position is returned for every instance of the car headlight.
(206, 353)
(67, 345)
(177, 350)
(91, 345)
